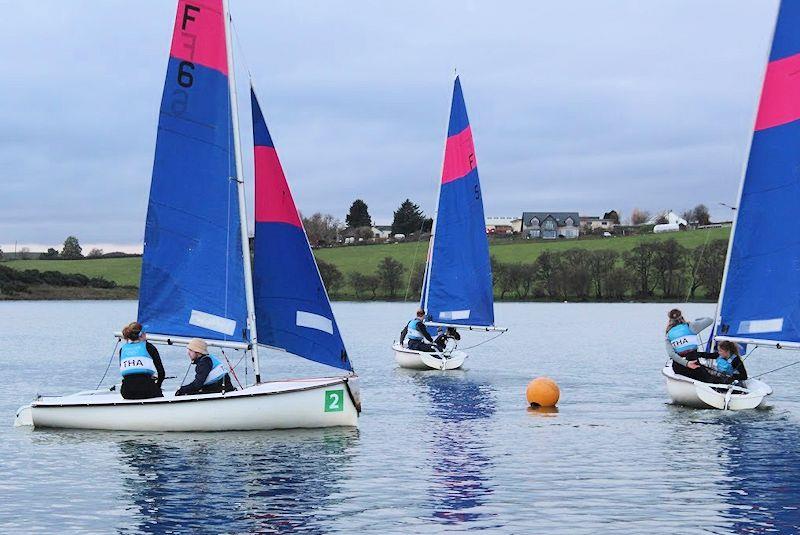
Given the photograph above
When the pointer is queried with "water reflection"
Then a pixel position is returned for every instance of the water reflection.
(249, 482)
(763, 459)
(460, 409)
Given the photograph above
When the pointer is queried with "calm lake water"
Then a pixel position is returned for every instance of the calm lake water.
(435, 452)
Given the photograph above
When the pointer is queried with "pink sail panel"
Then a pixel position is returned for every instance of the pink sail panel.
(199, 34)
(779, 103)
(459, 156)
(274, 203)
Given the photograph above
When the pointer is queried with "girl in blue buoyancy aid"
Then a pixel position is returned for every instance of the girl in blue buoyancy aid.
(682, 345)
(140, 365)
(728, 365)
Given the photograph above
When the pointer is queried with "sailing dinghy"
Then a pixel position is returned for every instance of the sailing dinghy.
(458, 274)
(196, 274)
(758, 303)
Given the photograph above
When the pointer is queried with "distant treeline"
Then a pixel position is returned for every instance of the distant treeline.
(13, 282)
(651, 270)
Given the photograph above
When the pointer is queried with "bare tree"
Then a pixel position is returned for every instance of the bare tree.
(639, 217)
(322, 229)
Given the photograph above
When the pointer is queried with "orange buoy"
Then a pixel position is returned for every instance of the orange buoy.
(542, 392)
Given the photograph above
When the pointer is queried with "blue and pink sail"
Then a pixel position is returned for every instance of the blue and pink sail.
(293, 312)
(192, 281)
(458, 277)
(761, 295)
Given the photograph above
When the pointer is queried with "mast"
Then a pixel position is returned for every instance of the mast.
(248, 269)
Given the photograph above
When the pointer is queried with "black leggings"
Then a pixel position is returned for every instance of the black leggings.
(701, 373)
(140, 386)
(419, 345)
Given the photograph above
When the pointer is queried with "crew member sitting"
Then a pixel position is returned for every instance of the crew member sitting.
(444, 334)
(728, 365)
(682, 345)
(416, 332)
(140, 365)
(211, 375)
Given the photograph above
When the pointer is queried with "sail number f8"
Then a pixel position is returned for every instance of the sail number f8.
(334, 400)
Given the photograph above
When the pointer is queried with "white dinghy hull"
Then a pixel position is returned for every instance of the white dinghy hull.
(691, 393)
(423, 360)
(304, 403)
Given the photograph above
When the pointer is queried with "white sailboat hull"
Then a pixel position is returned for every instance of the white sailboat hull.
(304, 403)
(423, 360)
(691, 393)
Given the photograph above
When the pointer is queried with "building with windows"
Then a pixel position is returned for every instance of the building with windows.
(550, 225)
(503, 225)
(590, 223)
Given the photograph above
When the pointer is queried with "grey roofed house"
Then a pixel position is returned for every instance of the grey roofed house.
(551, 225)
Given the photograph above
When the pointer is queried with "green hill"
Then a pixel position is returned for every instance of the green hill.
(365, 258)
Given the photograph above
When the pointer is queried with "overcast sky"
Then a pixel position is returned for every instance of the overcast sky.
(574, 105)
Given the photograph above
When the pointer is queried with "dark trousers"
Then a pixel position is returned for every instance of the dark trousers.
(419, 345)
(701, 373)
(223, 384)
(140, 386)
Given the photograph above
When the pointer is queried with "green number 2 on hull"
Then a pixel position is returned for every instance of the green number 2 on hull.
(334, 400)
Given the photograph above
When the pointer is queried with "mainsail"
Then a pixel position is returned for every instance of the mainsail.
(192, 281)
(459, 274)
(760, 302)
(293, 312)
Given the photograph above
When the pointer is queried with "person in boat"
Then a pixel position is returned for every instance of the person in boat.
(445, 334)
(730, 361)
(211, 374)
(417, 333)
(682, 345)
(140, 365)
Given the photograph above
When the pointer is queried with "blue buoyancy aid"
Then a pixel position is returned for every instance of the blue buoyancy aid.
(414, 330)
(683, 339)
(723, 366)
(218, 371)
(134, 358)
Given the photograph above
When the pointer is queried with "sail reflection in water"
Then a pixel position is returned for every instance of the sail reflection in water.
(235, 482)
(763, 459)
(460, 409)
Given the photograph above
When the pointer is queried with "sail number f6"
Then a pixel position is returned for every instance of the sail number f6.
(334, 400)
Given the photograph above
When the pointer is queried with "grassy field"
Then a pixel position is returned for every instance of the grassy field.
(125, 271)
(366, 258)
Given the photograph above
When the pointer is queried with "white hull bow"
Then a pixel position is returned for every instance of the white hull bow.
(424, 360)
(303, 403)
(691, 393)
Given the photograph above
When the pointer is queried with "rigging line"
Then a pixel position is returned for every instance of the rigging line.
(241, 48)
(414, 262)
(231, 368)
(694, 270)
(108, 367)
(776, 369)
(485, 341)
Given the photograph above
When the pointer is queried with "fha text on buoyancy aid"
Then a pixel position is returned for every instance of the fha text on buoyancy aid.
(682, 338)
(134, 359)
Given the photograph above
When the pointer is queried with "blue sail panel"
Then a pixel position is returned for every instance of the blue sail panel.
(192, 281)
(762, 283)
(293, 312)
(460, 274)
